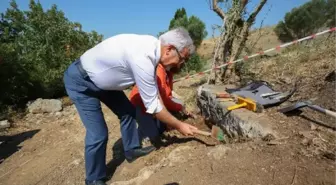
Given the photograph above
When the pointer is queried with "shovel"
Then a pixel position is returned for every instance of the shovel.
(307, 104)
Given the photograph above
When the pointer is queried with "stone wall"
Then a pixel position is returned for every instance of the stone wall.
(237, 123)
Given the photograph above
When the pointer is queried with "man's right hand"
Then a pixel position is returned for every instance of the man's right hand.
(171, 121)
(186, 129)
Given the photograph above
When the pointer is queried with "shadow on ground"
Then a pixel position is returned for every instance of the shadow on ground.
(119, 157)
(11, 144)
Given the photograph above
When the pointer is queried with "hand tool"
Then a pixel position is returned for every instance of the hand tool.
(265, 95)
(223, 95)
(246, 103)
(307, 104)
(216, 133)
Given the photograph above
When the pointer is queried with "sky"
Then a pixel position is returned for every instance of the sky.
(111, 17)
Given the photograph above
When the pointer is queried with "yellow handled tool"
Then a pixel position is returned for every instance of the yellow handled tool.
(237, 106)
(246, 103)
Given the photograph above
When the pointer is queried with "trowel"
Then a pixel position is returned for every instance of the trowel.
(216, 133)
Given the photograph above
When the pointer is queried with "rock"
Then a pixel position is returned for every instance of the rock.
(45, 106)
(4, 124)
(312, 127)
(218, 152)
(177, 156)
(306, 134)
(330, 77)
(239, 123)
(274, 142)
(58, 114)
(329, 155)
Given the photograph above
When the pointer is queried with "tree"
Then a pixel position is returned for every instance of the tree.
(306, 19)
(234, 32)
(331, 12)
(36, 46)
(193, 24)
(197, 31)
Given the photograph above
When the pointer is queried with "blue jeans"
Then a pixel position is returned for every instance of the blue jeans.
(148, 125)
(86, 97)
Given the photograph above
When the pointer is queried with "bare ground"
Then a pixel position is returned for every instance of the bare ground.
(48, 148)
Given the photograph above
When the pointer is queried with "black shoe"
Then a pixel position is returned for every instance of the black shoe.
(132, 155)
(95, 183)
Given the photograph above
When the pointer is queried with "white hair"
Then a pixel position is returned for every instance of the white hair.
(178, 37)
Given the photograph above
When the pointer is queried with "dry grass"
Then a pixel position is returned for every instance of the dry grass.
(307, 61)
(258, 40)
(307, 64)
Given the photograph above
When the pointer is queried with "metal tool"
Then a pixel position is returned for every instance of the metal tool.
(309, 105)
(246, 103)
(215, 133)
(265, 95)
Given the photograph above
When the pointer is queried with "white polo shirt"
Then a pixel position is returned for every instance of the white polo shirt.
(122, 60)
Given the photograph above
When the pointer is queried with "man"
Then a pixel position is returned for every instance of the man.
(101, 74)
(148, 125)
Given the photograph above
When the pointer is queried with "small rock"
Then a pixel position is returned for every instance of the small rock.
(281, 121)
(268, 137)
(76, 162)
(177, 156)
(329, 155)
(313, 127)
(306, 134)
(218, 152)
(330, 77)
(4, 124)
(305, 141)
(45, 106)
(274, 142)
(58, 114)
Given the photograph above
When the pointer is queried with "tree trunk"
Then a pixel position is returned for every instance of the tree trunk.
(229, 75)
(235, 27)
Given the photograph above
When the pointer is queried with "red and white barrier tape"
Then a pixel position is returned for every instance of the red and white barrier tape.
(277, 48)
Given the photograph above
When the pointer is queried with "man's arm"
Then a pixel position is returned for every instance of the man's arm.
(145, 79)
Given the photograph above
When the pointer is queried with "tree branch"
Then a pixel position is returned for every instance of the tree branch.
(255, 12)
(209, 3)
(217, 9)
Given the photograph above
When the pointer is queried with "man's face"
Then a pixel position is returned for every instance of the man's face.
(171, 58)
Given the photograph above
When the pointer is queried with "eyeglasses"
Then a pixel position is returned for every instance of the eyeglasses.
(181, 59)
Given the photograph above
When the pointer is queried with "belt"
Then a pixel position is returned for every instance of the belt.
(81, 69)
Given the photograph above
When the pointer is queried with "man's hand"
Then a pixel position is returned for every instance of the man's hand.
(186, 129)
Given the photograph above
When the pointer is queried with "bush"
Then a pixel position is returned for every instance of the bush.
(195, 63)
(36, 46)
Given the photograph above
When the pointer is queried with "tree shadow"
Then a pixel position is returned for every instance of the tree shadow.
(10, 144)
(318, 122)
(299, 113)
(169, 140)
(173, 183)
